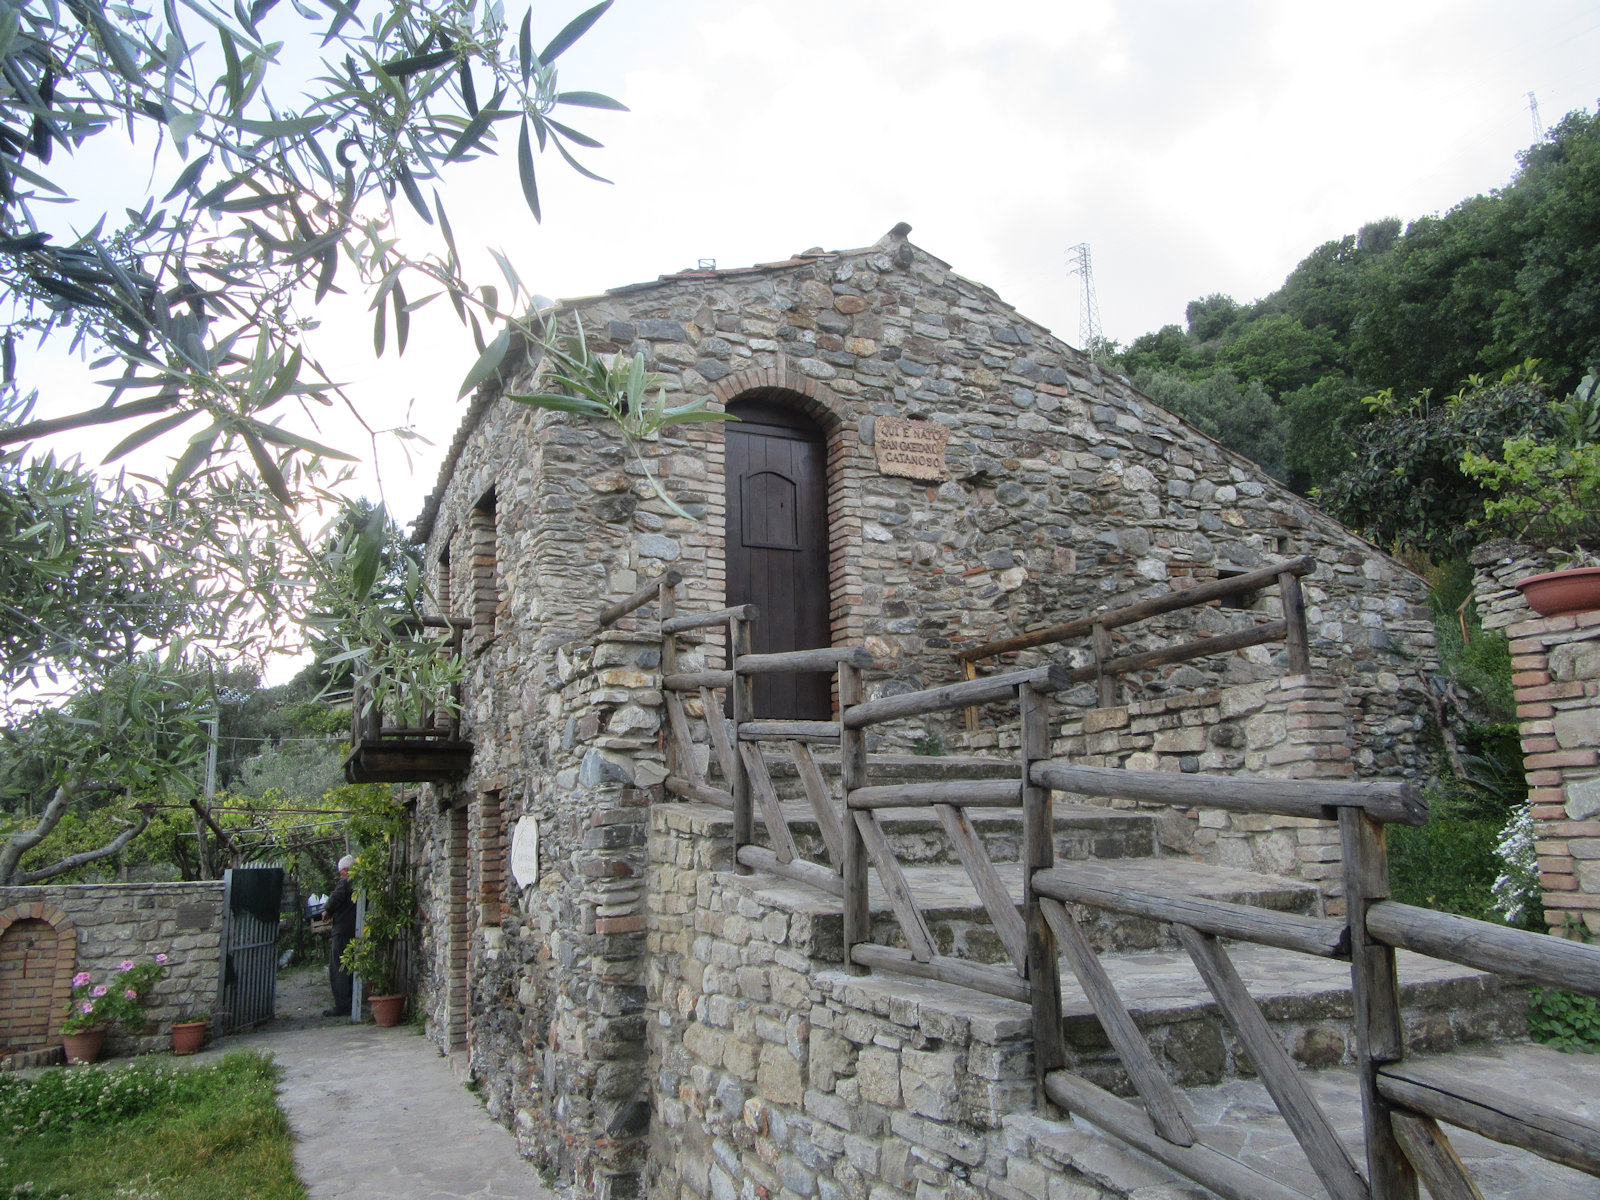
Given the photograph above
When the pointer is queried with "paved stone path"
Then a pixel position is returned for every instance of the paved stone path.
(378, 1114)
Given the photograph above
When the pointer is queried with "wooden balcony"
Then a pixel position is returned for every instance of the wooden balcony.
(432, 751)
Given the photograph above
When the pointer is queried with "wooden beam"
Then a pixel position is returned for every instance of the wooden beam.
(1210, 1168)
(759, 858)
(741, 706)
(894, 883)
(1038, 854)
(1294, 618)
(1204, 593)
(1149, 1080)
(717, 726)
(639, 599)
(852, 776)
(693, 681)
(689, 789)
(828, 822)
(1324, 937)
(1448, 1091)
(1276, 1069)
(800, 731)
(1375, 992)
(755, 765)
(683, 764)
(997, 899)
(1433, 1157)
(1319, 799)
(1536, 957)
(788, 662)
(1053, 678)
(976, 793)
(745, 612)
(961, 973)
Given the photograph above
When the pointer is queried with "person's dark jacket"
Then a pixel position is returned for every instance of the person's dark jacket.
(341, 908)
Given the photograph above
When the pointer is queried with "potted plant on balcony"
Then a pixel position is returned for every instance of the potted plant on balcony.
(382, 877)
(1547, 493)
(94, 1008)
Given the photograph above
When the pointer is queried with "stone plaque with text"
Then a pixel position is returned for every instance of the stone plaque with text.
(913, 449)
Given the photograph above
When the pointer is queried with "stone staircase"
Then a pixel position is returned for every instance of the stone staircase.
(1306, 1000)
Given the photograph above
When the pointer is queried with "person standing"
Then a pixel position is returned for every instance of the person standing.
(341, 910)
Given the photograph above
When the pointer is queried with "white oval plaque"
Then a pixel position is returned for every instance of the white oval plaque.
(525, 853)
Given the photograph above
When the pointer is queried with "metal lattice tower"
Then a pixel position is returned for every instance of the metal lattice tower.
(1089, 309)
(1538, 124)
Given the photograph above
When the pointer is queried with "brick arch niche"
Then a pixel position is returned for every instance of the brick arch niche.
(786, 385)
(38, 953)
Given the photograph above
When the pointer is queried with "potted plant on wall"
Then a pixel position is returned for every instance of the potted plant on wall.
(382, 878)
(1547, 493)
(94, 1008)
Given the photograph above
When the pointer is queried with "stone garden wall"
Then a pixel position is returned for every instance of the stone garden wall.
(101, 925)
(1555, 663)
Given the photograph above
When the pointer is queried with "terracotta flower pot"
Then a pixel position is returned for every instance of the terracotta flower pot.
(83, 1046)
(387, 1010)
(188, 1036)
(1576, 589)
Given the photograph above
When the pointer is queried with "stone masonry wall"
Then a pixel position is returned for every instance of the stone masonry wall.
(117, 921)
(552, 976)
(1555, 663)
(778, 1075)
(1068, 492)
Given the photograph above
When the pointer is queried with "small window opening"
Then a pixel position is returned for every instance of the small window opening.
(484, 583)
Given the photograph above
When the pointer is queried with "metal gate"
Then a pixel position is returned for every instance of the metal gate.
(248, 986)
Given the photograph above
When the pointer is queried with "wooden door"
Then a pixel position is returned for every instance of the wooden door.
(777, 551)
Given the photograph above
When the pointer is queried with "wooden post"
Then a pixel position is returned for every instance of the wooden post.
(1038, 825)
(1376, 992)
(1294, 616)
(969, 668)
(1103, 654)
(741, 693)
(853, 775)
(667, 604)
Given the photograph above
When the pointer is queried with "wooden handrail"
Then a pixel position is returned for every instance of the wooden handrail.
(1520, 953)
(1050, 678)
(647, 593)
(1203, 593)
(1386, 801)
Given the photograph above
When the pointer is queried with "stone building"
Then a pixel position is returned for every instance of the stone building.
(917, 468)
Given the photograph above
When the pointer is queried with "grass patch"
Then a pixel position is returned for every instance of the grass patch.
(147, 1131)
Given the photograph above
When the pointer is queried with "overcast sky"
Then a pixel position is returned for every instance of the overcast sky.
(1197, 147)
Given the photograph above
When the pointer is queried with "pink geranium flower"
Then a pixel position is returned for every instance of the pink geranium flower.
(86, 1007)
(161, 958)
(131, 994)
(81, 978)
(99, 991)
(125, 965)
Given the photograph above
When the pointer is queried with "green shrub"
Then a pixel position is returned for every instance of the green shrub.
(1564, 1019)
(1448, 864)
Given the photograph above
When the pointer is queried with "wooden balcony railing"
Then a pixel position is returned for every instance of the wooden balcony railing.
(431, 751)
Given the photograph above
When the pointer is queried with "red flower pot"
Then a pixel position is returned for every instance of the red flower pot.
(387, 1010)
(188, 1036)
(83, 1046)
(1576, 589)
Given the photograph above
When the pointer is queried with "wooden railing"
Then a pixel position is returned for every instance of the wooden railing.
(1402, 1103)
(1108, 665)
(736, 738)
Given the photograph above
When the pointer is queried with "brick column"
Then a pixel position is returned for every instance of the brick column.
(1555, 668)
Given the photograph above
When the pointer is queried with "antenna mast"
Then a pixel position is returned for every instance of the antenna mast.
(1533, 108)
(1089, 308)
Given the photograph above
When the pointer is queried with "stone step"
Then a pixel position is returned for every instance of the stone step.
(961, 928)
(1238, 1118)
